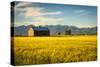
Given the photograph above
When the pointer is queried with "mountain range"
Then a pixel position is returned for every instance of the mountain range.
(55, 29)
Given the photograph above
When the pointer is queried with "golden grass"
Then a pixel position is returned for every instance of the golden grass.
(44, 50)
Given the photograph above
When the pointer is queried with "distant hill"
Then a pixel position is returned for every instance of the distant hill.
(74, 29)
(55, 29)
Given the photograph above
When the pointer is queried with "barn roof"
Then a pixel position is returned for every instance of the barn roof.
(40, 28)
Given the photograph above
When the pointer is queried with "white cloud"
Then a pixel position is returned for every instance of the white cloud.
(28, 10)
(22, 4)
(32, 10)
(53, 13)
(79, 11)
(37, 12)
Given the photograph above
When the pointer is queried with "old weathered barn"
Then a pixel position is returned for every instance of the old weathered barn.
(38, 31)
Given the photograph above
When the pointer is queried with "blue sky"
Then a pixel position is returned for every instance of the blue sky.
(27, 13)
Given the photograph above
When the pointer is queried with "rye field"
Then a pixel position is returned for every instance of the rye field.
(45, 50)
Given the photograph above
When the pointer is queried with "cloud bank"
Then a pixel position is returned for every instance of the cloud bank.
(30, 10)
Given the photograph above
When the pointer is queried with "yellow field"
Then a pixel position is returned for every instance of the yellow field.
(43, 50)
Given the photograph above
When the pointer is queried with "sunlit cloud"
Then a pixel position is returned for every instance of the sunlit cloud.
(37, 14)
(53, 13)
(31, 11)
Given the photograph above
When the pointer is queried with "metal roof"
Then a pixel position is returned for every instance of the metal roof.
(40, 28)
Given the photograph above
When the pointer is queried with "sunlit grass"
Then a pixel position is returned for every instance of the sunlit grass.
(43, 50)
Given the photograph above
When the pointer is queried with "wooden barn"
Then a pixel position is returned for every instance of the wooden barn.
(38, 31)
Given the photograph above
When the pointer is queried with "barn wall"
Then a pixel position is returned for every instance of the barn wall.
(41, 33)
(30, 32)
